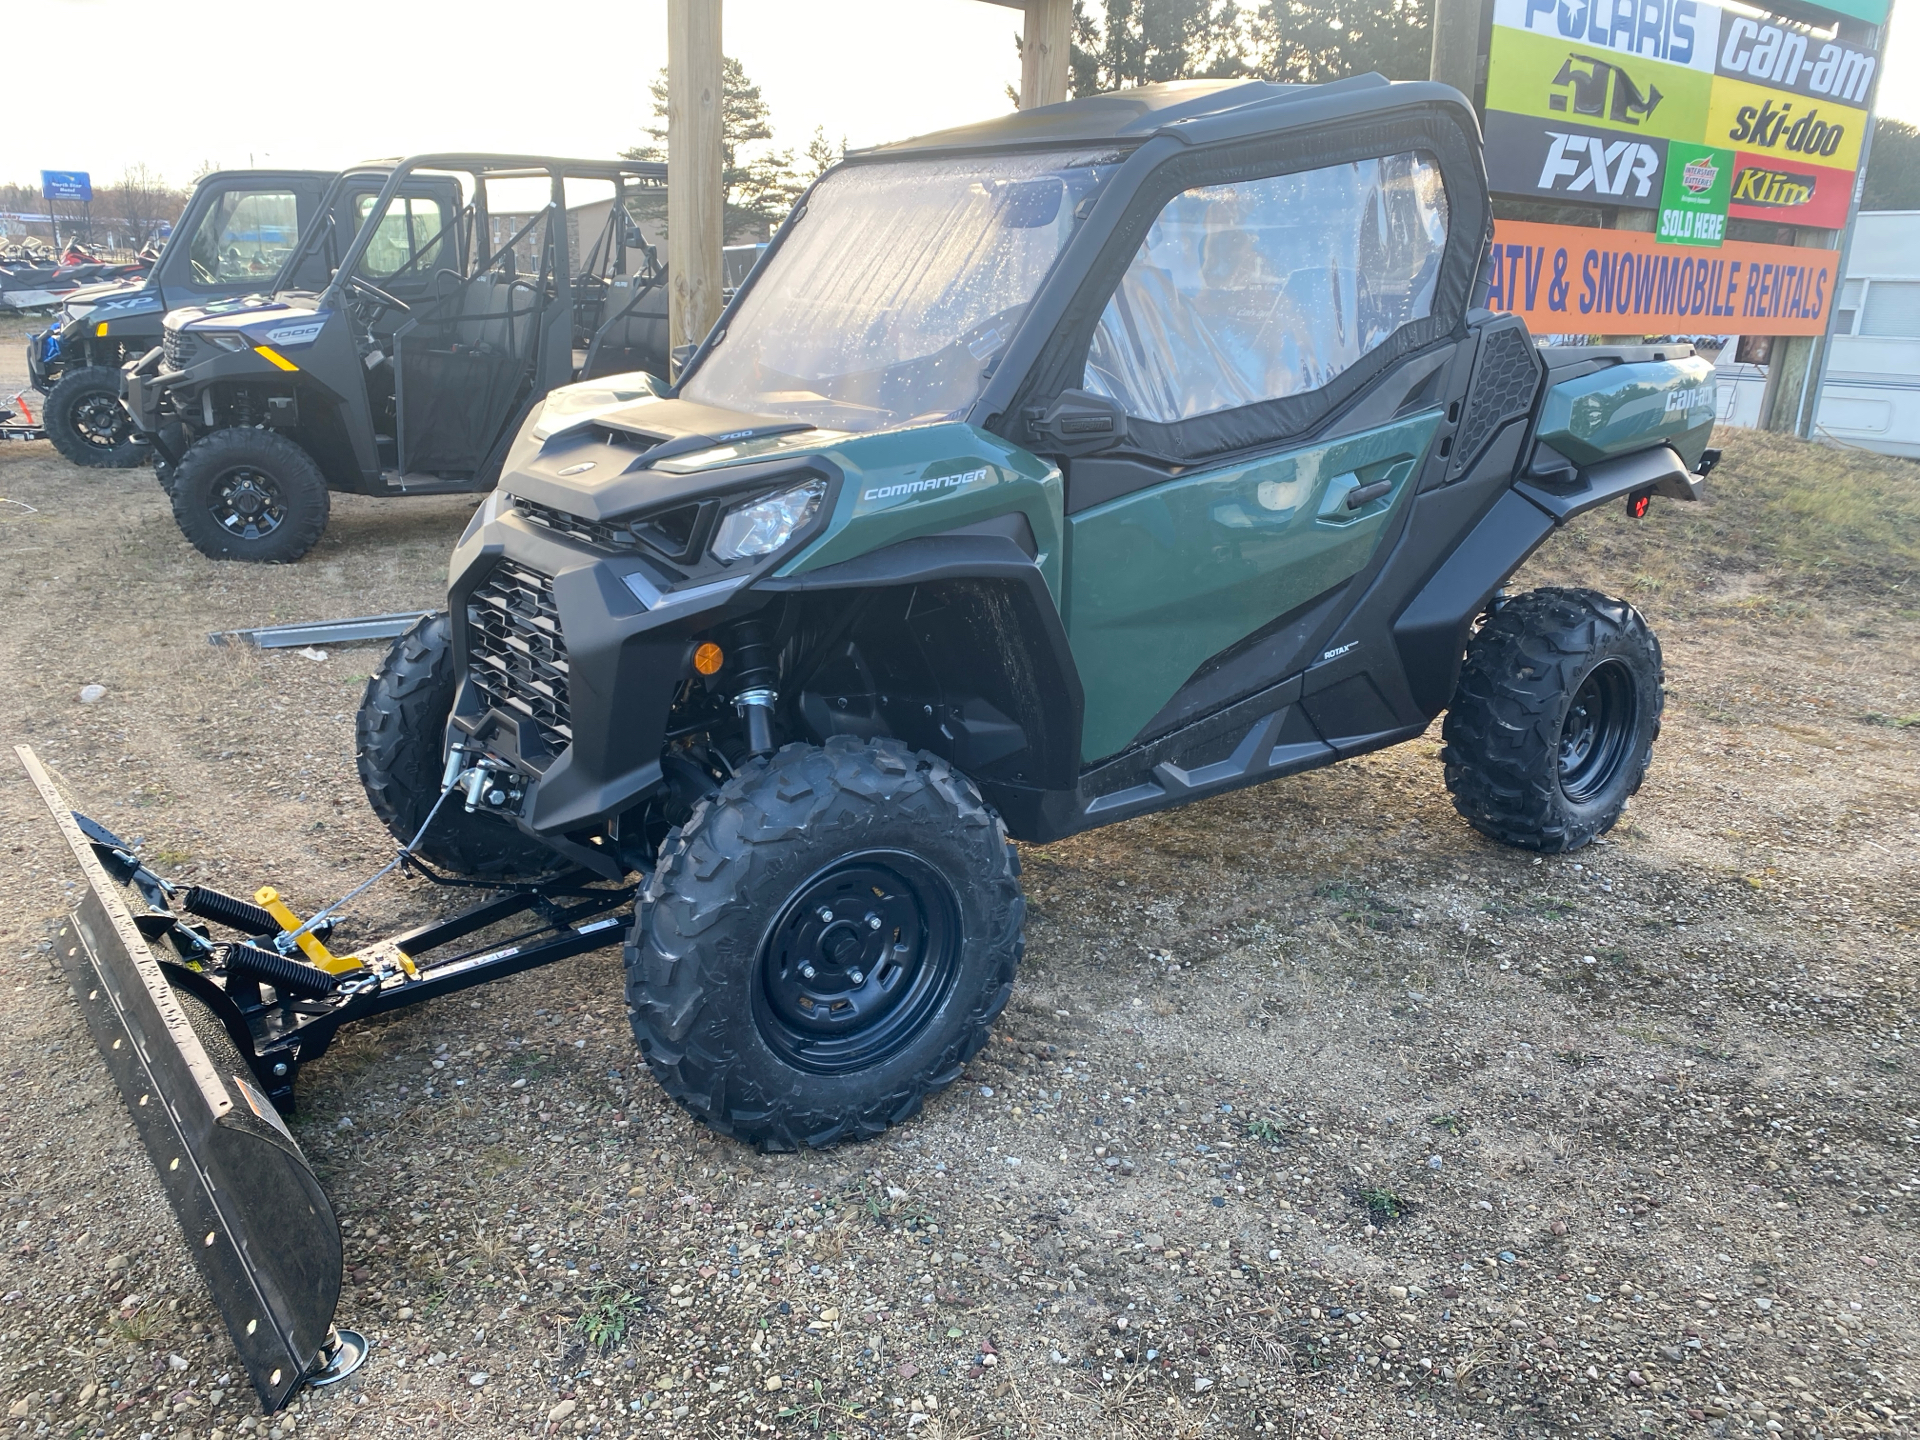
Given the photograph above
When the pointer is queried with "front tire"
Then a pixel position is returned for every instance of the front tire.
(249, 494)
(87, 423)
(825, 943)
(1552, 727)
(399, 747)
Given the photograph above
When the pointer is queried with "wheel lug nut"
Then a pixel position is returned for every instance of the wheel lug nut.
(858, 977)
(826, 916)
(807, 972)
(873, 922)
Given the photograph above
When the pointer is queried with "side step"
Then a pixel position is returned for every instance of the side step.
(258, 1223)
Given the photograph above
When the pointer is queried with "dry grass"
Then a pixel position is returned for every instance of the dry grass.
(1781, 518)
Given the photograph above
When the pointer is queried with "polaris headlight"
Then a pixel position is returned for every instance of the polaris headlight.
(765, 525)
(231, 343)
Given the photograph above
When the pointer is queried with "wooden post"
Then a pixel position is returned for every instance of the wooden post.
(696, 194)
(1456, 45)
(1045, 46)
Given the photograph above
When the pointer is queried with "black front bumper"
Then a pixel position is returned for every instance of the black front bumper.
(578, 699)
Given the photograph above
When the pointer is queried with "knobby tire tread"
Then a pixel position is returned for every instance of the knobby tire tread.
(703, 913)
(399, 738)
(1502, 730)
(299, 478)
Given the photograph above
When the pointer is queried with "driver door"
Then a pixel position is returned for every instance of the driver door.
(1252, 311)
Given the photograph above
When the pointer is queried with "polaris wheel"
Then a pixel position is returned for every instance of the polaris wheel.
(249, 494)
(87, 423)
(1552, 726)
(825, 943)
(399, 746)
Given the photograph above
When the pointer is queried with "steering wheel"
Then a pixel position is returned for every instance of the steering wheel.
(369, 291)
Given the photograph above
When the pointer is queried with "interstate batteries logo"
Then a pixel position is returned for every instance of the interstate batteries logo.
(927, 486)
(1693, 200)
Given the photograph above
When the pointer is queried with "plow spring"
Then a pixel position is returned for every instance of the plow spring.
(204, 1036)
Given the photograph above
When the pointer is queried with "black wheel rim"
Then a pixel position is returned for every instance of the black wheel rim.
(246, 503)
(859, 960)
(100, 422)
(1597, 735)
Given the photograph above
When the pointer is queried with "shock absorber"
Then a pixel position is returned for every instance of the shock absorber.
(757, 672)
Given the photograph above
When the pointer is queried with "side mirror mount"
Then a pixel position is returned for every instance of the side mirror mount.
(1078, 422)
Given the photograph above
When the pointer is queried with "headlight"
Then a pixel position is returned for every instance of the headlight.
(764, 526)
(76, 312)
(233, 344)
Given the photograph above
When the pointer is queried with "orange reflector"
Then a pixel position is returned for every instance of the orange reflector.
(708, 659)
(275, 357)
(100, 329)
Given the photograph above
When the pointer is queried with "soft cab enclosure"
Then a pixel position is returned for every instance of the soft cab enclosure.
(1185, 406)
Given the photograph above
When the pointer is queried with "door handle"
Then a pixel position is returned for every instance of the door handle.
(1366, 494)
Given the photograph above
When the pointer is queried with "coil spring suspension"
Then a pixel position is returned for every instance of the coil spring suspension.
(294, 977)
(229, 910)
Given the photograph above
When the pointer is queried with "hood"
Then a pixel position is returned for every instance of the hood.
(611, 447)
(110, 290)
(237, 314)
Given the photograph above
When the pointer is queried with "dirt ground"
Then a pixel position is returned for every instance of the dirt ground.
(1314, 1113)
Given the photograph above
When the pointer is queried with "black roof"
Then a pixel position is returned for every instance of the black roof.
(1200, 109)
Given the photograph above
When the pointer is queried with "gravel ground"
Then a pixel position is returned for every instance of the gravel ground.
(1314, 1114)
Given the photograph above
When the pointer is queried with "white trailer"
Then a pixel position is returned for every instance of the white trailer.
(1872, 393)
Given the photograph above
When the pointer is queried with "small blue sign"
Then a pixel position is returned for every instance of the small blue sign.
(66, 185)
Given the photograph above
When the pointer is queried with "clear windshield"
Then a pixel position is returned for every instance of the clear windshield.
(890, 299)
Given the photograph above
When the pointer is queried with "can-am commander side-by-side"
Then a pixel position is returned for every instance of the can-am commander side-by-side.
(470, 286)
(234, 236)
(1044, 473)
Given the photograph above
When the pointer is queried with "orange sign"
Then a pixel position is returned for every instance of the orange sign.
(1566, 279)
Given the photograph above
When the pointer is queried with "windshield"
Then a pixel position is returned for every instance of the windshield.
(891, 297)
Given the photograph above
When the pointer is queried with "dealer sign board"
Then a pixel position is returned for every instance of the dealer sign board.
(1571, 279)
(1677, 106)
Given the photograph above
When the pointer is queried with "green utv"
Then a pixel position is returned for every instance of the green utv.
(1045, 473)
(1042, 474)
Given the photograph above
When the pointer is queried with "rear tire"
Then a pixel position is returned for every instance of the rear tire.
(1552, 726)
(87, 423)
(400, 739)
(249, 494)
(825, 943)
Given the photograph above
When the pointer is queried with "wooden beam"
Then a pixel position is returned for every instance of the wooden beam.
(1045, 46)
(696, 194)
(1456, 44)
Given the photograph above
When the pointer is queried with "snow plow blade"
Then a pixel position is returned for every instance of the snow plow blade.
(258, 1223)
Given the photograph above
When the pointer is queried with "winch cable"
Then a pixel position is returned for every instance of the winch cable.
(288, 939)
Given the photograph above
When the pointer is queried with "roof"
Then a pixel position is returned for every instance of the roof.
(1144, 111)
(499, 166)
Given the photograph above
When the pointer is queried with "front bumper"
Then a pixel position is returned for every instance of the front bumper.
(43, 347)
(578, 706)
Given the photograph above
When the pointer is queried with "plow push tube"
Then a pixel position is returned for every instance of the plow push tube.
(258, 1223)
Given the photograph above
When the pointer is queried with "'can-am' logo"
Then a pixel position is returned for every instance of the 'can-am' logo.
(1591, 79)
(1596, 164)
(1778, 188)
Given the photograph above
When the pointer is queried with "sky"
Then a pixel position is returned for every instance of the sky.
(242, 83)
(238, 83)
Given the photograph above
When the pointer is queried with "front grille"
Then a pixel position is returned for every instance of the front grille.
(516, 654)
(177, 349)
(591, 532)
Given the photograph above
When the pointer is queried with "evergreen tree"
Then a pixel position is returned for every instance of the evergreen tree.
(760, 187)
(1309, 41)
(1893, 170)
